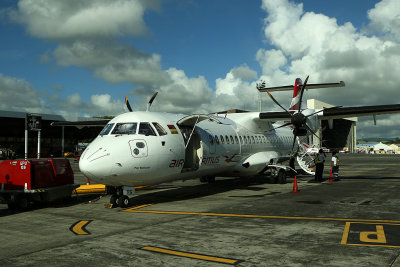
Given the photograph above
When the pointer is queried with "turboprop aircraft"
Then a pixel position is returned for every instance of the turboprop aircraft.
(145, 148)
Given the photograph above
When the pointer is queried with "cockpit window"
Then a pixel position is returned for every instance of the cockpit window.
(125, 128)
(146, 129)
(107, 129)
(159, 129)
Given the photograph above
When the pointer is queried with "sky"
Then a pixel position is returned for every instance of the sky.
(83, 57)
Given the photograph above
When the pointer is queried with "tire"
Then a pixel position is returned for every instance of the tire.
(203, 179)
(281, 179)
(114, 201)
(123, 201)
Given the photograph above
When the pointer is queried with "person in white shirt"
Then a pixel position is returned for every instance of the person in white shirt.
(335, 166)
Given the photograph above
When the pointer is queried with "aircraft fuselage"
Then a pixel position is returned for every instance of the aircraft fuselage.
(144, 148)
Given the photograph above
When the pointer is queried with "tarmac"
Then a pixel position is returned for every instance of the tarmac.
(234, 221)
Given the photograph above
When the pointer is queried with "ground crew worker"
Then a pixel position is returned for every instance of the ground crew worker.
(335, 166)
(319, 165)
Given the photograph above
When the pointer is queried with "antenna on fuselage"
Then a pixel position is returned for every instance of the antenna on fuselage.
(151, 101)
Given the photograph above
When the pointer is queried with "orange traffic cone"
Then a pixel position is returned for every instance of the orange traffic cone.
(330, 177)
(295, 187)
(87, 181)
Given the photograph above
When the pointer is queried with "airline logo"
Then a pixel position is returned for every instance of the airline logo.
(172, 129)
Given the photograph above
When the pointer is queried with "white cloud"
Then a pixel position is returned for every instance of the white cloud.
(244, 72)
(385, 18)
(23, 96)
(112, 61)
(88, 19)
(183, 94)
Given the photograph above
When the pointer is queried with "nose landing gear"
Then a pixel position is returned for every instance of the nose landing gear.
(119, 196)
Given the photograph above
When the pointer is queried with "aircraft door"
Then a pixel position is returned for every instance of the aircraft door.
(193, 150)
(208, 140)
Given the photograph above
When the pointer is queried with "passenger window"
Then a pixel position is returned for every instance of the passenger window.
(216, 140)
(160, 130)
(125, 128)
(236, 140)
(227, 139)
(222, 139)
(232, 141)
(211, 139)
(146, 129)
(241, 139)
(107, 129)
(252, 139)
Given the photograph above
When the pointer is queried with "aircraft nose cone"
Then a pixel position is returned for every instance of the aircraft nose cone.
(95, 166)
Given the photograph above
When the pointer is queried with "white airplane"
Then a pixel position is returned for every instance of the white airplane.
(146, 148)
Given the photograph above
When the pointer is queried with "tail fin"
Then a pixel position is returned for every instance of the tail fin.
(294, 105)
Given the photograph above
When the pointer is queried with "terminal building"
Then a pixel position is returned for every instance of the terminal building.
(54, 141)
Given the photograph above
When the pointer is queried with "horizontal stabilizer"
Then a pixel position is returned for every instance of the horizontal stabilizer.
(308, 86)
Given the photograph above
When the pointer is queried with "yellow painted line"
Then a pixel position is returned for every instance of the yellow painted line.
(191, 255)
(137, 207)
(345, 233)
(78, 228)
(142, 186)
(347, 230)
(368, 245)
(260, 216)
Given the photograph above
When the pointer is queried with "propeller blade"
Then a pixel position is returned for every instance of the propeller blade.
(151, 100)
(127, 104)
(276, 102)
(323, 110)
(294, 141)
(302, 91)
(309, 129)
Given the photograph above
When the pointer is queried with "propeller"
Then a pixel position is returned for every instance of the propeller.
(127, 104)
(151, 101)
(148, 104)
(297, 119)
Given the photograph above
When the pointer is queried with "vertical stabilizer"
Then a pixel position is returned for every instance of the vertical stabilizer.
(294, 105)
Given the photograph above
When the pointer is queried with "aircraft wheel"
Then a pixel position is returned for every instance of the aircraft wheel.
(114, 200)
(123, 201)
(281, 179)
(203, 179)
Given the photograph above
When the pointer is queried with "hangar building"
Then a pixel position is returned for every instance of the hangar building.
(54, 140)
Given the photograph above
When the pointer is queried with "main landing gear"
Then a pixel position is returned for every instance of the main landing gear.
(119, 196)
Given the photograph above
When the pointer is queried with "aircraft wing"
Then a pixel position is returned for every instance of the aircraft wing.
(275, 116)
(348, 112)
(81, 124)
(337, 113)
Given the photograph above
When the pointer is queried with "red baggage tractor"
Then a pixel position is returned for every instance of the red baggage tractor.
(35, 180)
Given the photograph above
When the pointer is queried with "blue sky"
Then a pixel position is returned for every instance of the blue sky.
(205, 38)
(201, 55)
